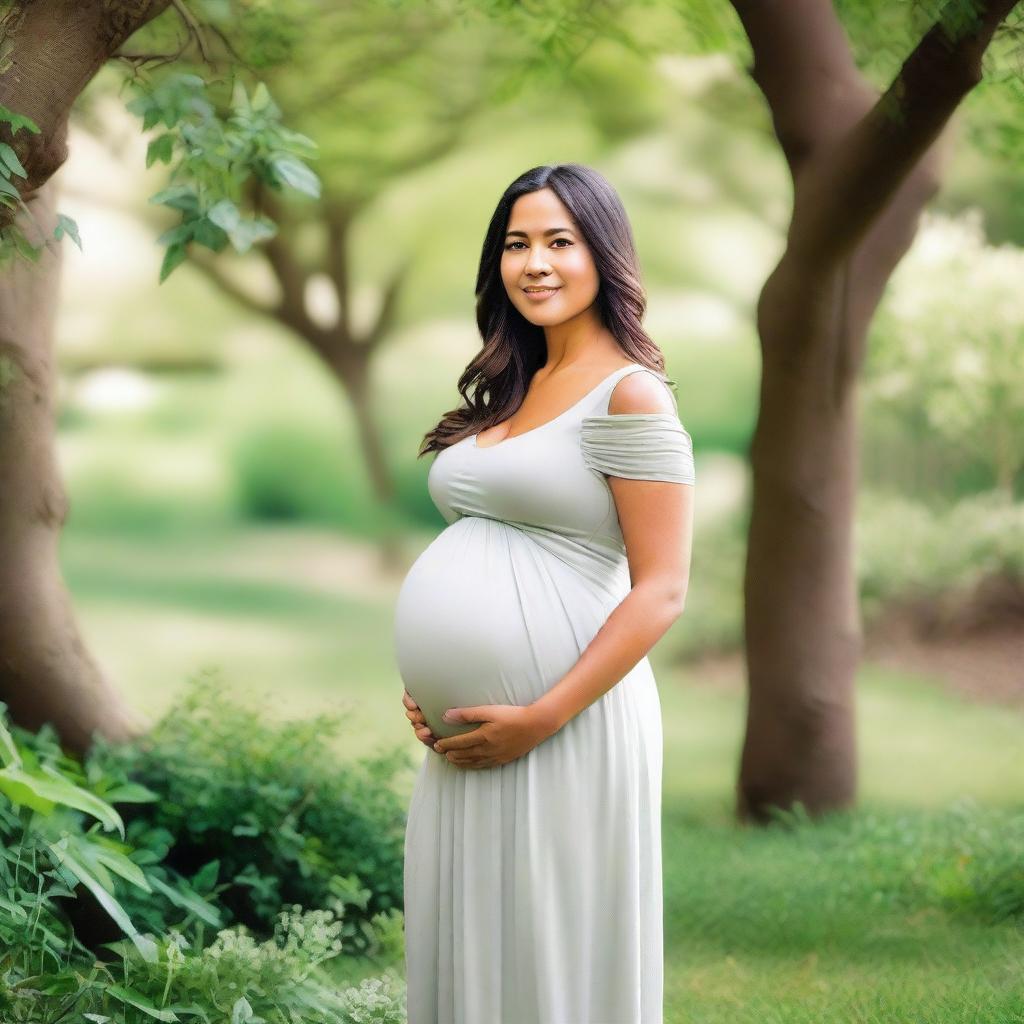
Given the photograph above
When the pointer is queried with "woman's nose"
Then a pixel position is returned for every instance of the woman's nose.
(537, 262)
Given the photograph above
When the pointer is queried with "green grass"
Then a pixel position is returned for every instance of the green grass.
(849, 919)
(878, 915)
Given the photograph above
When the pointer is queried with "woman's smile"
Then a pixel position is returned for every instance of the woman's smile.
(539, 294)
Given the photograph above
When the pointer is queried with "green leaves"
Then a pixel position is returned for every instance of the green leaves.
(17, 121)
(13, 241)
(173, 100)
(161, 148)
(65, 225)
(243, 233)
(141, 1002)
(11, 161)
(215, 159)
(296, 174)
(174, 256)
(170, 965)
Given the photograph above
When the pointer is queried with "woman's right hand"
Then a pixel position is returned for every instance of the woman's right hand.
(419, 725)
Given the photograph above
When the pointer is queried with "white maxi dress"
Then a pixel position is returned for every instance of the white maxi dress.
(533, 890)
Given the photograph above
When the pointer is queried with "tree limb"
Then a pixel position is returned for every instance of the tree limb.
(338, 217)
(389, 304)
(804, 67)
(846, 189)
(193, 28)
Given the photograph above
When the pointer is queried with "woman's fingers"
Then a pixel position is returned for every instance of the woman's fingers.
(417, 720)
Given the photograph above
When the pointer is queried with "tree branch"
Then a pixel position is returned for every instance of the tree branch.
(389, 304)
(805, 69)
(338, 217)
(193, 28)
(844, 190)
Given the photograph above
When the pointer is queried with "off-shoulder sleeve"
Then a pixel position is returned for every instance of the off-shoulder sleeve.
(638, 446)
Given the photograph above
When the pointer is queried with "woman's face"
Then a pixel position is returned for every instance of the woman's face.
(543, 249)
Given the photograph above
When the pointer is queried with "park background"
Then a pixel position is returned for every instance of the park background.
(224, 526)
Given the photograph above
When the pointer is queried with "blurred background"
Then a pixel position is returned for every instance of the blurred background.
(240, 506)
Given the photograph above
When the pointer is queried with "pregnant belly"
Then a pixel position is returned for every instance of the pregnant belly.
(487, 616)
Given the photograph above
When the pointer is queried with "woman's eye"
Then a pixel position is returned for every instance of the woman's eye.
(512, 244)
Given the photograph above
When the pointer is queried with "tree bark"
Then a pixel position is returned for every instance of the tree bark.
(863, 168)
(46, 674)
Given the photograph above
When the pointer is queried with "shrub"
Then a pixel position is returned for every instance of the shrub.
(278, 815)
(66, 887)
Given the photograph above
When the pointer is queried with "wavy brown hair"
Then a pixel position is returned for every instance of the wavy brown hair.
(513, 348)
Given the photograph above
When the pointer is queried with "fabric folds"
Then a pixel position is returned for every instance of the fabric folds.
(638, 446)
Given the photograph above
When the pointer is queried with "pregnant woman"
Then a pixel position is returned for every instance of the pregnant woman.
(533, 884)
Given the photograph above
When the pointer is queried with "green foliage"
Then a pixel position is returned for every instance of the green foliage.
(13, 241)
(53, 858)
(906, 551)
(284, 821)
(291, 472)
(946, 352)
(712, 622)
(219, 159)
(47, 789)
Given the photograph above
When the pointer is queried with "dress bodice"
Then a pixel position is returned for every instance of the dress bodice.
(552, 481)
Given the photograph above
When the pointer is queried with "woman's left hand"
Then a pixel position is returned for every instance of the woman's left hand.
(508, 732)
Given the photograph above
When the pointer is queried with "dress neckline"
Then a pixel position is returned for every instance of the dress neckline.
(561, 415)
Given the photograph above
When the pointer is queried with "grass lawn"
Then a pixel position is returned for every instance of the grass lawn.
(908, 909)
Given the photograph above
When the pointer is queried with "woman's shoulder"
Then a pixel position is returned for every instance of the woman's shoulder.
(641, 392)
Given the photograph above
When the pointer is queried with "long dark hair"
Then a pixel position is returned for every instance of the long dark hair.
(514, 349)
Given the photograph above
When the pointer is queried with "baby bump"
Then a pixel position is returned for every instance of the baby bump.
(485, 617)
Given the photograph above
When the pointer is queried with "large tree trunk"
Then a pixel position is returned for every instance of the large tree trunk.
(863, 167)
(53, 48)
(46, 674)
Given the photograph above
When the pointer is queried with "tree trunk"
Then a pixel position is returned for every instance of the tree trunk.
(52, 49)
(46, 674)
(863, 168)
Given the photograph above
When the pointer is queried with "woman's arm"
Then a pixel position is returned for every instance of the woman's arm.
(656, 518)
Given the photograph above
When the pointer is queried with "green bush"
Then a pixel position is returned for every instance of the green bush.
(285, 821)
(290, 472)
(907, 550)
(73, 902)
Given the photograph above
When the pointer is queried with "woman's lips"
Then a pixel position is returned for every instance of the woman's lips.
(541, 295)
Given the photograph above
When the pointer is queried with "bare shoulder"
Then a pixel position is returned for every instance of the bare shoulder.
(641, 392)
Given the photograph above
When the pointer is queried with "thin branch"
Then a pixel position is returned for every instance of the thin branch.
(193, 27)
(338, 217)
(389, 304)
(137, 60)
(229, 46)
